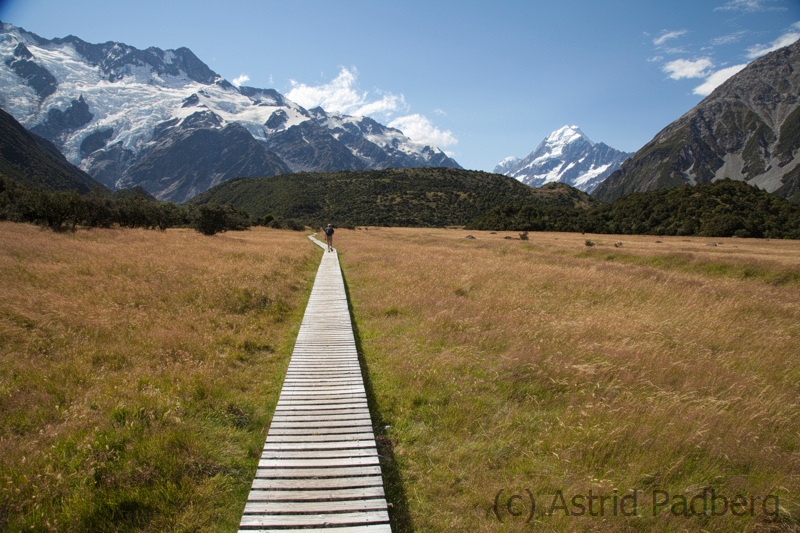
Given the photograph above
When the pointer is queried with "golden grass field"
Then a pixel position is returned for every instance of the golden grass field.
(553, 367)
(139, 371)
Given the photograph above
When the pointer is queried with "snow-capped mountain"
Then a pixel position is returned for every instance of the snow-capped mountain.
(164, 120)
(506, 165)
(567, 155)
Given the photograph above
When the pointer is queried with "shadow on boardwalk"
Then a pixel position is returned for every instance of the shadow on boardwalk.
(399, 516)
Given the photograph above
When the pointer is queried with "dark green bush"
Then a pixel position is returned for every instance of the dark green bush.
(212, 218)
(209, 218)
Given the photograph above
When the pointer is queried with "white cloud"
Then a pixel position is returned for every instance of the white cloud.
(748, 6)
(728, 39)
(440, 112)
(387, 105)
(683, 68)
(716, 79)
(244, 78)
(667, 36)
(784, 40)
(420, 129)
(342, 94)
(656, 58)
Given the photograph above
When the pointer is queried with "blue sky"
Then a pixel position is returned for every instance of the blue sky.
(481, 80)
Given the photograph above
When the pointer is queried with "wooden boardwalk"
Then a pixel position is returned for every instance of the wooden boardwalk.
(319, 470)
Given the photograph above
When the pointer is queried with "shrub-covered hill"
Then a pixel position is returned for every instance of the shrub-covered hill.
(393, 197)
(721, 209)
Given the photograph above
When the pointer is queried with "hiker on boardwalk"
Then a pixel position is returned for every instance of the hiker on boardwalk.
(329, 237)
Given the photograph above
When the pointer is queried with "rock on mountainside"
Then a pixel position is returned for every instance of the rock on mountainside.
(747, 129)
(568, 156)
(165, 121)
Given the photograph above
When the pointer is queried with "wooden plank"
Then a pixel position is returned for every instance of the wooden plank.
(278, 446)
(285, 426)
(324, 396)
(322, 405)
(318, 473)
(326, 437)
(333, 406)
(312, 355)
(316, 430)
(344, 392)
(319, 463)
(320, 367)
(314, 371)
(322, 378)
(258, 495)
(322, 390)
(317, 484)
(326, 367)
(341, 414)
(352, 380)
(325, 416)
(336, 427)
(291, 389)
(319, 454)
(323, 370)
(321, 520)
(375, 504)
(345, 385)
(310, 422)
(324, 399)
(371, 528)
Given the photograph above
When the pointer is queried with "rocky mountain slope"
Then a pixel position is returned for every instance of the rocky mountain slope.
(568, 156)
(165, 121)
(35, 162)
(747, 129)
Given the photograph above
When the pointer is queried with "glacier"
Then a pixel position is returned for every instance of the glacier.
(133, 94)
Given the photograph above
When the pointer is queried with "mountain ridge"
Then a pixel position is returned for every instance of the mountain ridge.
(747, 129)
(107, 107)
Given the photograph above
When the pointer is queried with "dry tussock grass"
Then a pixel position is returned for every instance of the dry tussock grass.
(548, 365)
(139, 371)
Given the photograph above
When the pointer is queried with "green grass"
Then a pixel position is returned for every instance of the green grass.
(139, 373)
(687, 263)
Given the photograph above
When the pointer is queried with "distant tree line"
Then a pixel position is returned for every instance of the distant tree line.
(725, 208)
(67, 210)
(722, 209)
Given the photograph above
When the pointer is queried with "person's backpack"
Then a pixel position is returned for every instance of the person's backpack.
(328, 231)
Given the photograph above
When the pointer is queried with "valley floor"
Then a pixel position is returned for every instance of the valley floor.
(140, 369)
